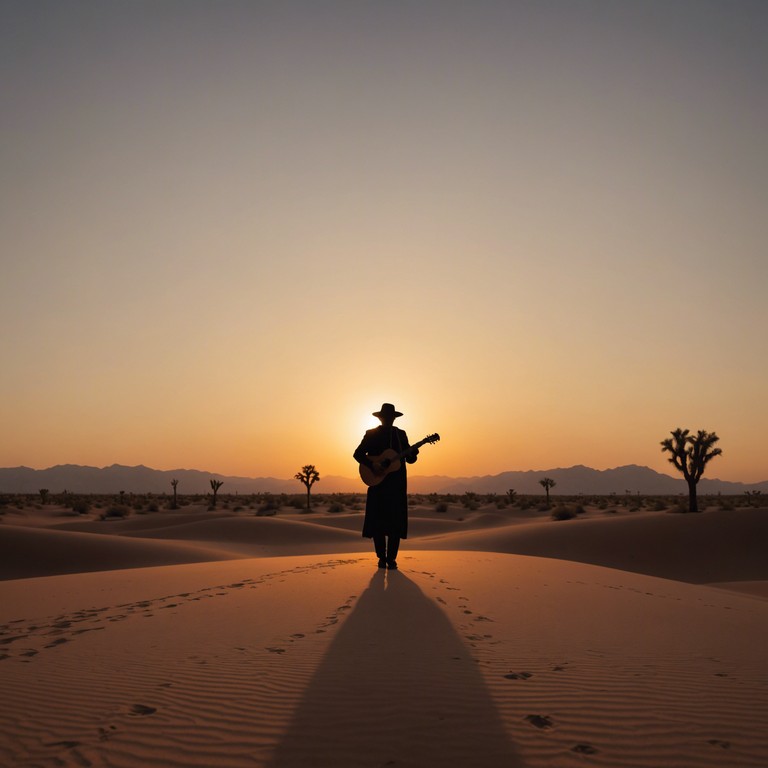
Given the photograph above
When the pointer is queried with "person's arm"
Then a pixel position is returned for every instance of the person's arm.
(412, 454)
(361, 453)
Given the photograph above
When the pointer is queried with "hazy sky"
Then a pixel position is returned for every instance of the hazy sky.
(231, 230)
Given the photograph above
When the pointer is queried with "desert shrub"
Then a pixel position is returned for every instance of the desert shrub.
(115, 512)
(81, 506)
(269, 506)
(441, 506)
(567, 511)
(336, 506)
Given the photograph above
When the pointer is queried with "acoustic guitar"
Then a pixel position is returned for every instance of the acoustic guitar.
(389, 461)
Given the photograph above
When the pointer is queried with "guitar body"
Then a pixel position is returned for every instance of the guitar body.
(389, 461)
(386, 462)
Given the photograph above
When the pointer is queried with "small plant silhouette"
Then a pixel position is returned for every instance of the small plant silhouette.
(175, 484)
(308, 476)
(690, 455)
(43, 495)
(547, 483)
(215, 485)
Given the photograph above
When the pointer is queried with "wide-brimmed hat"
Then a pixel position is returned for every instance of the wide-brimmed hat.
(387, 409)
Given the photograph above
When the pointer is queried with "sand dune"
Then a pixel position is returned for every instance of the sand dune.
(27, 552)
(175, 653)
(710, 547)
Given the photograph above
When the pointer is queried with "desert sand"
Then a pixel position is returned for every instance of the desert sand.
(506, 638)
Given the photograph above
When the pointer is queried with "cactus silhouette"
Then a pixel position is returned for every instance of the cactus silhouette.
(308, 476)
(547, 483)
(690, 455)
(215, 485)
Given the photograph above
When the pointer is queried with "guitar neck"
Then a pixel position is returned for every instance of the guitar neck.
(404, 453)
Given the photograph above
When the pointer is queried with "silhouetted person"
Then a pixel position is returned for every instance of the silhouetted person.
(386, 507)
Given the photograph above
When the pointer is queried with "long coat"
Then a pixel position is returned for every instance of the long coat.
(386, 506)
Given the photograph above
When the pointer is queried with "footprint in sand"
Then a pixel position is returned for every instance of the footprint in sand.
(105, 734)
(585, 749)
(9, 640)
(519, 675)
(719, 743)
(89, 629)
(539, 721)
(141, 710)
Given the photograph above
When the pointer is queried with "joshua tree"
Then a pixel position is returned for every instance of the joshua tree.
(175, 484)
(690, 455)
(547, 483)
(43, 495)
(215, 485)
(308, 476)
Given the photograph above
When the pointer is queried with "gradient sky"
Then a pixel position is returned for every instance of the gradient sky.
(231, 230)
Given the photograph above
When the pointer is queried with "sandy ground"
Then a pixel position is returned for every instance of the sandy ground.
(199, 638)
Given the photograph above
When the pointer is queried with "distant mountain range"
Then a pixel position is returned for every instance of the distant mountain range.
(569, 481)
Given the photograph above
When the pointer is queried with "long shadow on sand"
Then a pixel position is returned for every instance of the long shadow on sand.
(396, 688)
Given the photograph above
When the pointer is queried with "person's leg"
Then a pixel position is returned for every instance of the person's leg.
(393, 545)
(380, 545)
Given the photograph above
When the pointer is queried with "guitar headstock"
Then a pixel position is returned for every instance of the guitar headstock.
(433, 438)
